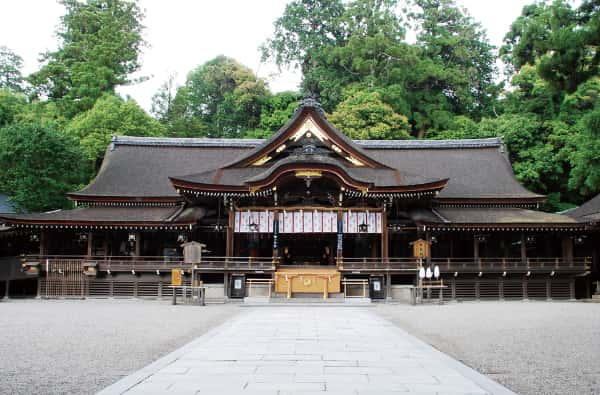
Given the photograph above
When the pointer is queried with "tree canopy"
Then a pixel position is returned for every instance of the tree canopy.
(40, 164)
(100, 44)
(111, 116)
(10, 70)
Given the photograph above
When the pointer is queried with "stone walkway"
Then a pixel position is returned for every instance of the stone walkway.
(306, 350)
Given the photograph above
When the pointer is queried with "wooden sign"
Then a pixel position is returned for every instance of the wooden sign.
(176, 279)
(420, 248)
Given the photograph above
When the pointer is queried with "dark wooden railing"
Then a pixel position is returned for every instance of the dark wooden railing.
(398, 264)
(164, 264)
(533, 263)
(159, 263)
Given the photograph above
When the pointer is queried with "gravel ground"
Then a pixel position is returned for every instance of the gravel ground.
(530, 347)
(80, 347)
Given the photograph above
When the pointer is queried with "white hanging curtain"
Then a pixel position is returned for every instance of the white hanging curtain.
(307, 221)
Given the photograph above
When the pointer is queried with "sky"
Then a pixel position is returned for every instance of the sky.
(186, 33)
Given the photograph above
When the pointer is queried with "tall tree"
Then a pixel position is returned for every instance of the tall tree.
(301, 34)
(585, 176)
(363, 115)
(11, 106)
(10, 70)
(100, 44)
(559, 40)
(39, 165)
(457, 71)
(111, 116)
(224, 95)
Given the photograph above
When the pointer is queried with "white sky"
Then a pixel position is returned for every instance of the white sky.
(186, 33)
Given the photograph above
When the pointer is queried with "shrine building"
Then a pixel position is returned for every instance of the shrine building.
(307, 211)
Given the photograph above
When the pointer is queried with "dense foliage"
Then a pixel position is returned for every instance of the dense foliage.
(354, 57)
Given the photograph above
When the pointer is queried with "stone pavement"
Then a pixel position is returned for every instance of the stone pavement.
(306, 350)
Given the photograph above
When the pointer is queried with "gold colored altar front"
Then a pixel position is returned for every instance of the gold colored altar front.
(307, 280)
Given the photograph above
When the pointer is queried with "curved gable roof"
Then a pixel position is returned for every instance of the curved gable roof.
(140, 167)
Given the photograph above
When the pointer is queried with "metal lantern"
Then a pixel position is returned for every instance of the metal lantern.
(253, 227)
(363, 228)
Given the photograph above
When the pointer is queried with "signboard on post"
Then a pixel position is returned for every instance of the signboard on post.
(176, 278)
(421, 249)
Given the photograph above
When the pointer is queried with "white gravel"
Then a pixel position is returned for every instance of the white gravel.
(80, 347)
(530, 347)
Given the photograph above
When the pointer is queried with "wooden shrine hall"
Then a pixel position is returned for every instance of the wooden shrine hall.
(308, 211)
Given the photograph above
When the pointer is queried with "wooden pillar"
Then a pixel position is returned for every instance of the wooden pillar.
(225, 285)
(90, 242)
(385, 243)
(229, 241)
(572, 288)
(44, 243)
(275, 237)
(138, 243)
(505, 247)
(340, 235)
(388, 286)
(428, 239)
(567, 249)
(105, 246)
(7, 289)
(523, 248)
(475, 248)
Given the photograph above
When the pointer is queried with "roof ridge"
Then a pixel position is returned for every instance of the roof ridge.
(252, 143)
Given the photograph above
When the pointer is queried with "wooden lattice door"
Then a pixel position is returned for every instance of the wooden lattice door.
(64, 278)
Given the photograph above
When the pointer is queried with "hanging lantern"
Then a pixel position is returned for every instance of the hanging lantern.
(428, 273)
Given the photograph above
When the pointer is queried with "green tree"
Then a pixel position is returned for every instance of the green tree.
(277, 110)
(559, 40)
(373, 54)
(39, 165)
(11, 105)
(111, 116)
(10, 70)
(302, 33)
(456, 74)
(100, 43)
(223, 95)
(363, 115)
(585, 176)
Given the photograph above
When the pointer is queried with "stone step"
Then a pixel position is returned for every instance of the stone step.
(281, 295)
(306, 299)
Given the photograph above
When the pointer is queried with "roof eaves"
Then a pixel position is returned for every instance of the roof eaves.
(205, 142)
